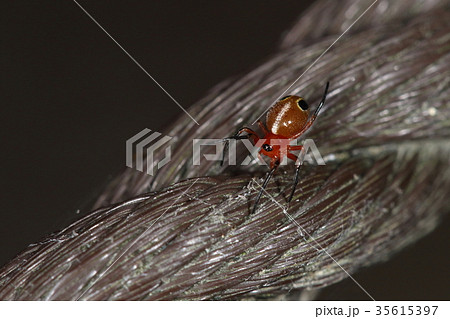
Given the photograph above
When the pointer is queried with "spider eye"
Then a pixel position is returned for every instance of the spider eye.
(285, 97)
(303, 105)
(267, 147)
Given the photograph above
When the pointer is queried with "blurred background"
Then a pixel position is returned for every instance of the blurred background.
(71, 98)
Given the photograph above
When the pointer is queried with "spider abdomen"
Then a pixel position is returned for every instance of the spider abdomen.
(288, 116)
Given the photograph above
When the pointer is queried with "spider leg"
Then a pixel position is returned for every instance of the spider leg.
(227, 143)
(274, 166)
(313, 117)
(237, 136)
(294, 148)
(297, 171)
(294, 158)
(263, 127)
(260, 157)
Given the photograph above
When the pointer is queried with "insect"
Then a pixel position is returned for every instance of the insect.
(286, 121)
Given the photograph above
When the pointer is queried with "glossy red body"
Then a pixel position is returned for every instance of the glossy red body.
(285, 122)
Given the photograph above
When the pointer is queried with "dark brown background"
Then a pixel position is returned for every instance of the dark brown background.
(71, 98)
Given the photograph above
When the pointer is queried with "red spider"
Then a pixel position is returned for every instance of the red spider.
(286, 121)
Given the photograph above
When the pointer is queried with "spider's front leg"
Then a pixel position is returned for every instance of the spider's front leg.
(314, 116)
(237, 136)
(263, 127)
